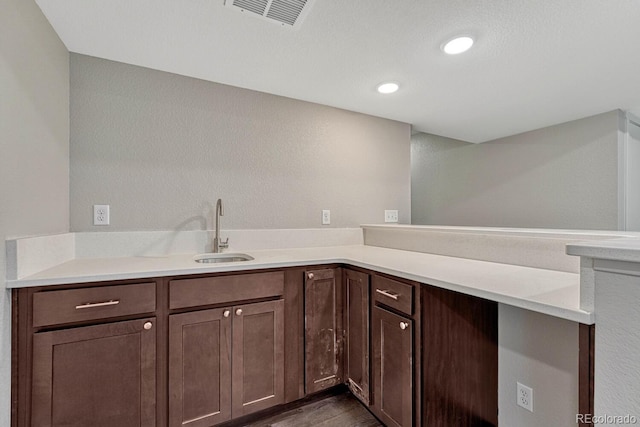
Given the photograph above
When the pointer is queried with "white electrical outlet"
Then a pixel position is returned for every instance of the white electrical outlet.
(326, 217)
(391, 216)
(100, 214)
(524, 396)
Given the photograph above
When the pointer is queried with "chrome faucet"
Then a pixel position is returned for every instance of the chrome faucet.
(218, 244)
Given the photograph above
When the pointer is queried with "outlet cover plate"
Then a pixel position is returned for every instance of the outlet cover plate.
(524, 396)
(100, 214)
(390, 216)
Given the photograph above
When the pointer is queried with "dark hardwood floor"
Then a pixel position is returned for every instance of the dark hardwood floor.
(342, 410)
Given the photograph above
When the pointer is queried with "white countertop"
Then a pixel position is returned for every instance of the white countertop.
(549, 292)
(622, 249)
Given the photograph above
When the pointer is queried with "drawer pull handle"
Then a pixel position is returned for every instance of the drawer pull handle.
(404, 325)
(147, 326)
(310, 276)
(389, 294)
(97, 304)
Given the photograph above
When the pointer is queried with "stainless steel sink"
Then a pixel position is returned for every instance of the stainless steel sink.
(221, 257)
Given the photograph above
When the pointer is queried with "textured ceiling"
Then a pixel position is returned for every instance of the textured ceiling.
(534, 64)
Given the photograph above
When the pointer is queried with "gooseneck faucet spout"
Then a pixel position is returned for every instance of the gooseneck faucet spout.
(218, 244)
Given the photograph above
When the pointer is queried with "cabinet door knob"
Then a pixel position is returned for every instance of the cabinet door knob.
(238, 312)
(147, 326)
(226, 313)
(310, 275)
(404, 325)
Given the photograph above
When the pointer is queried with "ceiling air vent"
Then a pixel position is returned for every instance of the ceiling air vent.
(287, 13)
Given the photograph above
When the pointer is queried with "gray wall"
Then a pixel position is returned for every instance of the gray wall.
(564, 176)
(541, 352)
(161, 148)
(34, 150)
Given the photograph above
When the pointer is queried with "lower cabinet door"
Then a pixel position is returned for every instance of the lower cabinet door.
(322, 330)
(200, 368)
(357, 327)
(99, 376)
(393, 368)
(258, 356)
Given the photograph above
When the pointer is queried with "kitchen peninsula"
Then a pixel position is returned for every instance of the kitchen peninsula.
(410, 273)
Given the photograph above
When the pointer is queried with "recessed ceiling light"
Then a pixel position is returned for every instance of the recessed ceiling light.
(389, 87)
(458, 45)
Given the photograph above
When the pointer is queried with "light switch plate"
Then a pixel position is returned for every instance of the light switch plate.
(326, 217)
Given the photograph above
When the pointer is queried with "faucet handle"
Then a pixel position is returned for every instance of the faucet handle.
(224, 244)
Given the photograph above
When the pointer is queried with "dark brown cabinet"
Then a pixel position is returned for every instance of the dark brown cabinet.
(102, 375)
(323, 330)
(200, 368)
(356, 315)
(395, 347)
(258, 357)
(225, 363)
(459, 359)
(207, 349)
(393, 367)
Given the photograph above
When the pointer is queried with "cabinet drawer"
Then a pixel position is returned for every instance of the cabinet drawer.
(223, 289)
(393, 294)
(78, 305)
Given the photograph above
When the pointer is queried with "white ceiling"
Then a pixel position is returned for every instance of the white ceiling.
(535, 62)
